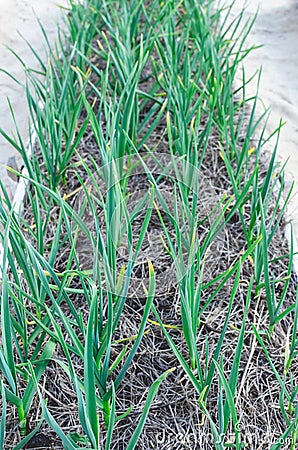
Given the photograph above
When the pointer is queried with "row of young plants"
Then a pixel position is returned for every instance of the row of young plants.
(125, 72)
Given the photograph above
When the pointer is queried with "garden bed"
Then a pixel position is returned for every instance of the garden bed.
(148, 296)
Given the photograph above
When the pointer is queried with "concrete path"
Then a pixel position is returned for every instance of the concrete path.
(19, 16)
(276, 28)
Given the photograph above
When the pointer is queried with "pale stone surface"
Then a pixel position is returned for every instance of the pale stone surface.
(276, 28)
(19, 16)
